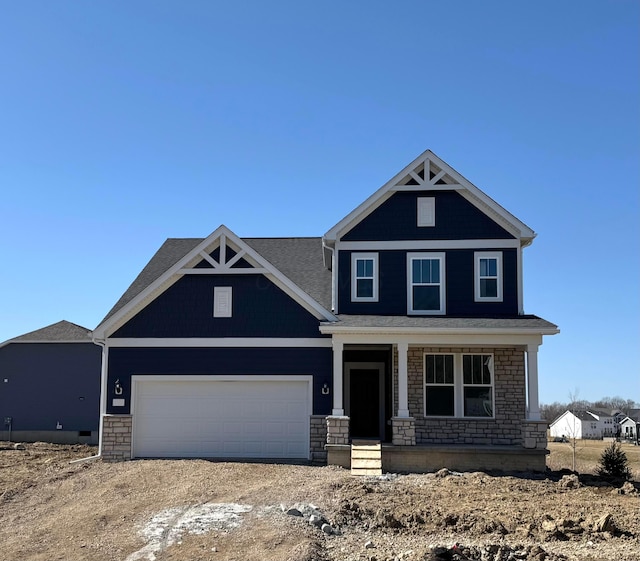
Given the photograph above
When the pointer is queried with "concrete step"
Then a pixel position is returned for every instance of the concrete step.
(366, 458)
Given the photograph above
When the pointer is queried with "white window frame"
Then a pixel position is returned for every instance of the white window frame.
(497, 255)
(458, 386)
(426, 210)
(491, 385)
(222, 302)
(355, 257)
(426, 384)
(411, 257)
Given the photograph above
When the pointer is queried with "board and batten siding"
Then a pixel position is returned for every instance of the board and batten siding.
(259, 309)
(455, 219)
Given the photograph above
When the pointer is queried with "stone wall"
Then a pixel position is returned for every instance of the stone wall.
(534, 434)
(404, 431)
(116, 438)
(318, 429)
(510, 402)
(337, 430)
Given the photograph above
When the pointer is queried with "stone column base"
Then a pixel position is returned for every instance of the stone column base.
(337, 430)
(116, 438)
(534, 434)
(403, 431)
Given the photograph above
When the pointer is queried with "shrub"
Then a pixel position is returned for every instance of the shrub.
(614, 463)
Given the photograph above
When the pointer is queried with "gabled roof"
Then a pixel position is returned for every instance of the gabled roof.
(61, 332)
(428, 173)
(293, 264)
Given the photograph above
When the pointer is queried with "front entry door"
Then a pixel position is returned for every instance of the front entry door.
(364, 393)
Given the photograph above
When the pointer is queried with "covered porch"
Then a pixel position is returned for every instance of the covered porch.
(509, 436)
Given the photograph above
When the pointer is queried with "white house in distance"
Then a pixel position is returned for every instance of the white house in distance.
(583, 424)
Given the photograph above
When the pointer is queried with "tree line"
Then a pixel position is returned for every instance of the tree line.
(552, 411)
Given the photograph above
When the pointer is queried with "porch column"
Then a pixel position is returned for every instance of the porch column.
(532, 382)
(403, 392)
(338, 406)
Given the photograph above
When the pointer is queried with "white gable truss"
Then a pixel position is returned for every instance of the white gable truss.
(228, 262)
(429, 173)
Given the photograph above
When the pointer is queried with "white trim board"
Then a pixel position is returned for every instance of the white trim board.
(428, 245)
(222, 342)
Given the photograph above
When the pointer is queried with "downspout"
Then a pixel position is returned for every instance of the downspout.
(334, 273)
(103, 390)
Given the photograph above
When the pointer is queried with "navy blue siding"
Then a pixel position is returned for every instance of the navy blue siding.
(392, 292)
(50, 383)
(456, 219)
(260, 309)
(125, 362)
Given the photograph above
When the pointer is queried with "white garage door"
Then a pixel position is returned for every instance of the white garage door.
(221, 418)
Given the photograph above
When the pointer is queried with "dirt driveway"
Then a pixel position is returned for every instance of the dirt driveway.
(199, 510)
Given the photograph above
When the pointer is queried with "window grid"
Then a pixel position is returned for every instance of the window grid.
(426, 285)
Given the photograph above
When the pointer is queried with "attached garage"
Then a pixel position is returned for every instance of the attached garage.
(221, 417)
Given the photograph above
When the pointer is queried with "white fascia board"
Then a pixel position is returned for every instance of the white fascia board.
(440, 339)
(372, 202)
(173, 274)
(338, 329)
(472, 193)
(40, 341)
(221, 342)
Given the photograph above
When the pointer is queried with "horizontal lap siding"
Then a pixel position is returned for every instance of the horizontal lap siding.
(125, 362)
(50, 383)
(510, 404)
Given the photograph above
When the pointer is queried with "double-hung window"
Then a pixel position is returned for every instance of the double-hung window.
(488, 276)
(477, 385)
(364, 277)
(458, 385)
(426, 286)
(439, 395)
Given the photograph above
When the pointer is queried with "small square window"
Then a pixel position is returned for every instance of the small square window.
(488, 276)
(364, 277)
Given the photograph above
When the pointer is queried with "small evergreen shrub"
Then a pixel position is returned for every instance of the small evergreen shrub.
(614, 463)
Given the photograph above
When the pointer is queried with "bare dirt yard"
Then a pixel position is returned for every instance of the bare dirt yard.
(169, 510)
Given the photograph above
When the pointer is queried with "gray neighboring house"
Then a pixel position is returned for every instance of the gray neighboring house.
(50, 385)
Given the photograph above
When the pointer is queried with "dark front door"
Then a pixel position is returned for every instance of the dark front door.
(365, 409)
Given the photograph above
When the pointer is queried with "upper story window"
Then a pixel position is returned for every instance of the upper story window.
(426, 286)
(488, 276)
(426, 211)
(364, 277)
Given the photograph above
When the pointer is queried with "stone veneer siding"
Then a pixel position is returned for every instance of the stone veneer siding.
(337, 430)
(509, 400)
(318, 429)
(116, 438)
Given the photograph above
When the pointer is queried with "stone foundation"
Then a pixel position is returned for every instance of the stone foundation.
(116, 438)
(404, 431)
(337, 430)
(318, 438)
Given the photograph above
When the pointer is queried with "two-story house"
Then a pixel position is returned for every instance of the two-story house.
(403, 324)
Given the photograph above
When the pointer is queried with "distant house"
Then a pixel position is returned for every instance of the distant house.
(50, 385)
(630, 425)
(583, 424)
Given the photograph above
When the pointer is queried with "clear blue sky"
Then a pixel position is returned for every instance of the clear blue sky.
(124, 123)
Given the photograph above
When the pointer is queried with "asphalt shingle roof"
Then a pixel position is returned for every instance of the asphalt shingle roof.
(63, 331)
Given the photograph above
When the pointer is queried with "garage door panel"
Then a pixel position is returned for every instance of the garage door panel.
(253, 419)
